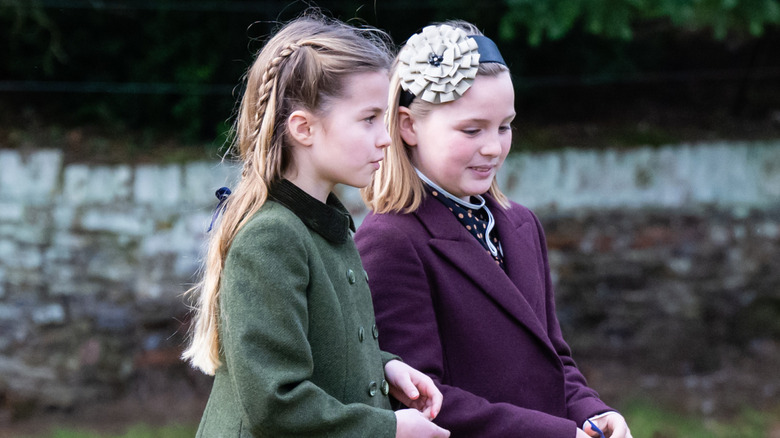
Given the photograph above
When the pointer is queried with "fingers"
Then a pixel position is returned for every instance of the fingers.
(437, 431)
(614, 425)
(401, 386)
(405, 385)
(594, 430)
(423, 404)
(436, 400)
(429, 393)
(618, 425)
(411, 423)
(583, 433)
(404, 390)
(413, 388)
(620, 430)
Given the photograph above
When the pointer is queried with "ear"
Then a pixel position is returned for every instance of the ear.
(299, 126)
(406, 126)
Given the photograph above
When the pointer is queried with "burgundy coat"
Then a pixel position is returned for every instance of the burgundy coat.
(489, 338)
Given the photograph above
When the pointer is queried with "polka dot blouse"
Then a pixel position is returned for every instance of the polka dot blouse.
(476, 220)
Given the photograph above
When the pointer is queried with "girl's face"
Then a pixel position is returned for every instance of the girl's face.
(461, 145)
(347, 141)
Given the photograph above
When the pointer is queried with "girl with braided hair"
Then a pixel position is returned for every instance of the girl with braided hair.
(283, 315)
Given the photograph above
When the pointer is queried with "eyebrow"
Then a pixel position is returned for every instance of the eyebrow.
(374, 109)
(478, 120)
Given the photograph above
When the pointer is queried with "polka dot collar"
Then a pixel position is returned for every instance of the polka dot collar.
(479, 205)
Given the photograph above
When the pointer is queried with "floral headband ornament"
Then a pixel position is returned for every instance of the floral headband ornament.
(440, 63)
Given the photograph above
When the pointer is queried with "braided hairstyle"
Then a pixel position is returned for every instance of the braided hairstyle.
(305, 65)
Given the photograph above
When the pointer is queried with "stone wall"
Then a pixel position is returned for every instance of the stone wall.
(665, 262)
(666, 267)
(93, 264)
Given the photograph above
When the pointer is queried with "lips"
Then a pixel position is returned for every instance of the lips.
(483, 169)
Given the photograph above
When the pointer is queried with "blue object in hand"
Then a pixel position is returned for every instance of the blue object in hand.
(596, 428)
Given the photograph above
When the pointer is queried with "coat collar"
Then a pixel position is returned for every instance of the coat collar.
(331, 221)
(454, 243)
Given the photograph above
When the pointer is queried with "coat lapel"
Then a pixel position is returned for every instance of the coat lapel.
(458, 247)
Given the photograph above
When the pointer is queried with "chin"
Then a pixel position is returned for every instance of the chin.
(359, 184)
(477, 191)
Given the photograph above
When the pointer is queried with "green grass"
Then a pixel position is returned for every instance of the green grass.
(647, 421)
(137, 431)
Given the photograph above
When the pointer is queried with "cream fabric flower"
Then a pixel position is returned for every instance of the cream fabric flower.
(438, 64)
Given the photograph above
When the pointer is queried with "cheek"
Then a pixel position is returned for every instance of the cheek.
(463, 152)
(428, 150)
(506, 145)
(505, 150)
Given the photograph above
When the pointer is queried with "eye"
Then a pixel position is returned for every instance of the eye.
(370, 119)
(504, 128)
(470, 131)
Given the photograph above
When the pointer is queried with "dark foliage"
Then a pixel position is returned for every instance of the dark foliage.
(172, 68)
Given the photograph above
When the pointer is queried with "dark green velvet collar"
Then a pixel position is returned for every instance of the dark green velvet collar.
(331, 221)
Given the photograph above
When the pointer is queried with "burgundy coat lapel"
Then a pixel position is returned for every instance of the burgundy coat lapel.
(520, 243)
(458, 247)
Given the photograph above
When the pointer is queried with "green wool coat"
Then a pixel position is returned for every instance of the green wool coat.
(297, 334)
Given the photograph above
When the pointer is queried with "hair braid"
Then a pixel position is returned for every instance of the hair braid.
(303, 66)
(271, 72)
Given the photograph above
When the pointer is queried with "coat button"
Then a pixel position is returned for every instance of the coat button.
(361, 334)
(372, 388)
(375, 331)
(351, 276)
(385, 387)
(365, 273)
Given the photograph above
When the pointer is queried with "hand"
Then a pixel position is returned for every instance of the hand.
(582, 434)
(413, 388)
(413, 424)
(613, 425)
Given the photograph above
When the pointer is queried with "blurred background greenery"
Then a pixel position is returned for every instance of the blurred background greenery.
(108, 79)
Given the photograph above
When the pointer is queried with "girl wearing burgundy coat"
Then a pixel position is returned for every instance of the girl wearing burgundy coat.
(458, 273)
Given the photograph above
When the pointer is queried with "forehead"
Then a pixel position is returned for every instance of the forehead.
(488, 97)
(367, 88)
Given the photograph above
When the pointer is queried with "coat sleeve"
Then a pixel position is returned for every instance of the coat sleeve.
(408, 325)
(581, 400)
(263, 299)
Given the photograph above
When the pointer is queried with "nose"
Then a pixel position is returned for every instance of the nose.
(491, 147)
(383, 140)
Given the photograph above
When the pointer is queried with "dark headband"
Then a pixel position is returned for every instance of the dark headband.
(488, 51)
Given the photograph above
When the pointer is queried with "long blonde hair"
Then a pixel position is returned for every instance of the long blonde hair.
(303, 66)
(395, 187)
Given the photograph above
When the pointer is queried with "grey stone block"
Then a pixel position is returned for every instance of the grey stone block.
(48, 314)
(33, 178)
(86, 185)
(130, 222)
(157, 186)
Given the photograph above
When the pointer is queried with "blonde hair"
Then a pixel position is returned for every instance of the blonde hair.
(395, 187)
(303, 66)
